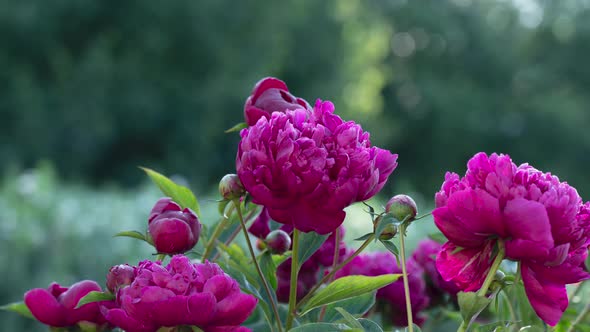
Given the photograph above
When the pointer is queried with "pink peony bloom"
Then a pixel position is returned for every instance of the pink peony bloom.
(542, 221)
(172, 229)
(379, 263)
(270, 95)
(425, 255)
(55, 306)
(305, 167)
(181, 293)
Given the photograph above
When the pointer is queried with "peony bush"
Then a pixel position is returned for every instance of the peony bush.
(512, 238)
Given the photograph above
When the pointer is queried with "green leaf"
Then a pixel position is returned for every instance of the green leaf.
(364, 237)
(269, 269)
(221, 206)
(349, 319)
(347, 287)
(323, 327)
(384, 221)
(391, 247)
(237, 127)
(358, 305)
(95, 296)
(18, 307)
(133, 234)
(369, 325)
(180, 194)
(471, 304)
(309, 243)
(438, 237)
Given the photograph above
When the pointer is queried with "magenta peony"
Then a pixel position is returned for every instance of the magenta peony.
(270, 95)
(541, 220)
(55, 306)
(379, 263)
(425, 255)
(181, 293)
(306, 166)
(172, 229)
(120, 276)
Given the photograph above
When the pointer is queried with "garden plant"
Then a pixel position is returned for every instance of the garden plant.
(511, 239)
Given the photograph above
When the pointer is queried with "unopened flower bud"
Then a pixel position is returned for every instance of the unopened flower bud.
(173, 230)
(260, 245)
(120, 276)
(230, 187)
(388, 232)
(278, 242)
(402, 207)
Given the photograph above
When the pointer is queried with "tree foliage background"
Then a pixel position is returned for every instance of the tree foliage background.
(100, 87)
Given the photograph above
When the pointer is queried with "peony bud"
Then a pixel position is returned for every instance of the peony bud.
(172, 229)
(278, 241)
(120, 276)
(388, 232)
(260, 245)
(230, 187)
(402, 207)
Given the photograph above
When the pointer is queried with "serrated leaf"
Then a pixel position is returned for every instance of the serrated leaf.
(369, 325)
(349, 319)
(18, 307)
(237, 127)
(309, 243)
(364, 237)
(323, 327)
(471, 304)
(347, 287)
(95, 296)
(269, 269)
(132, 234)
(180, 194)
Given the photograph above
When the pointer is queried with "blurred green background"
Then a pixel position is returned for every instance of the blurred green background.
(89, 90)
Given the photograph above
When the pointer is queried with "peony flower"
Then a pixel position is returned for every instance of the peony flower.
(425, 256)
(172, 229)
(306, 166)
(270, 95)
(392, 295)
(56, 305)
(181, 293)
(120, 276)
(541, 220)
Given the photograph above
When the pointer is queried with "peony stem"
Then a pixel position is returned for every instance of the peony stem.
(220, 226)
(333, 272)
(405, 277)
(161, 257)
(294, 275)
(334, 264)
(489, 278)
(273, 303)
(492, 273)
(580, 318)
(233, 235)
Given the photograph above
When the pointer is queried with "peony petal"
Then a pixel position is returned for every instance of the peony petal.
(234, 309)
(119, 318)
(478, 211)
(454, 230)
(45, 307)
(467, 268)
(529, 230)
(548, 299)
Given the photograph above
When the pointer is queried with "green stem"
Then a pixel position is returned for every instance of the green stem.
(161, 257)
(220, 226)
(333, 272)
(334, 264)
(260, 274)
(488, 280)
(422, 216)
(294, 274)
(580, 318)
(233, 235)
(405, 277)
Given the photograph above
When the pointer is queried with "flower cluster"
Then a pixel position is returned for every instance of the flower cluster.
(182, 293)
(305, 166)
(540, 220)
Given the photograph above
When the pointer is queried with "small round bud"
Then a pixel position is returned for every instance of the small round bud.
(120, 276)
(278, 242)
(388, 232)
(171, 229)
(230, 187)
(499, 275)
(402, 207)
